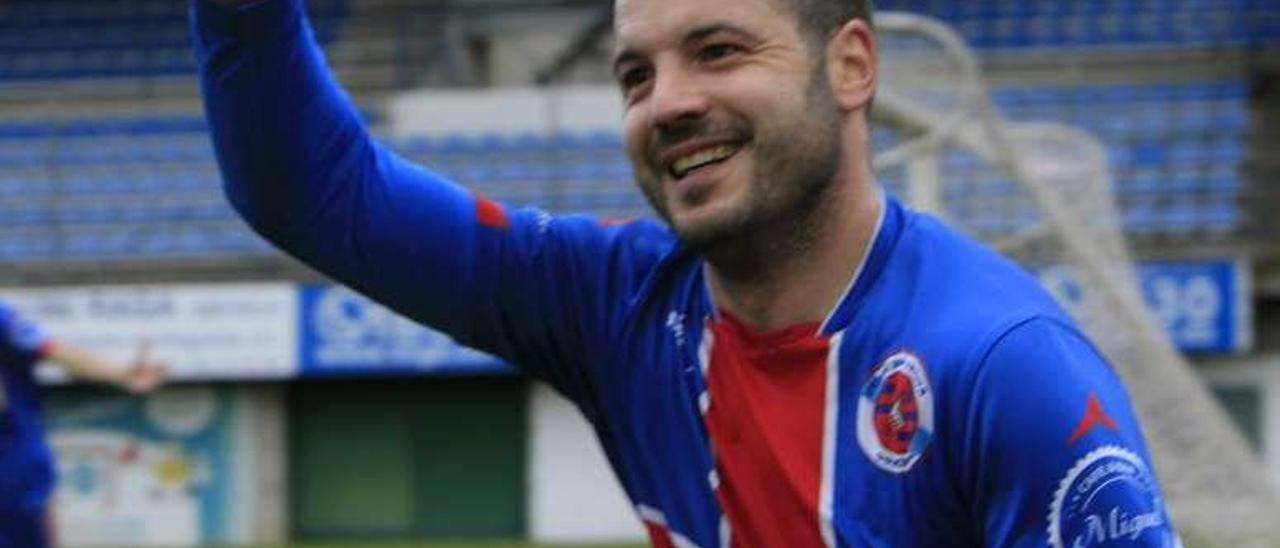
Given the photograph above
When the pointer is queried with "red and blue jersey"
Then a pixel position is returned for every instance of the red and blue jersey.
(945, 401)
(26, 463)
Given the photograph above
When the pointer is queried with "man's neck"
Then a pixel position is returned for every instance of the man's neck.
(798, 273)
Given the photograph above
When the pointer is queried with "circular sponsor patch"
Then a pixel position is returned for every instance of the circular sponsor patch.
(1108, 498)
(895, 413)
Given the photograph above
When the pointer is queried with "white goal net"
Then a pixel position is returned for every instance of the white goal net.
(1042, 193)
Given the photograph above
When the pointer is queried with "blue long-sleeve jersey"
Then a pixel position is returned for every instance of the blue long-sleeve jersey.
(26, 463)
(946, 401)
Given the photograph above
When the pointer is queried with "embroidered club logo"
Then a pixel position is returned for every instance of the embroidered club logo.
(895, 413)
(1109, 496)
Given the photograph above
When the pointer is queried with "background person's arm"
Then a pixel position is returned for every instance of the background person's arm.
(138, 376)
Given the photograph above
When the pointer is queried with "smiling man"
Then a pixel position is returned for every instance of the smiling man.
(791, 359)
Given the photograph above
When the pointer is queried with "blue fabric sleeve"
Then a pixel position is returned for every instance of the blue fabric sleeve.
(21, 341)
(301, 168)
(1055, 452)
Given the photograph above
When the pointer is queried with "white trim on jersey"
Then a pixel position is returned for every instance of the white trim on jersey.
(704, 405)
(862, 263)
(651, 514)
(704, 352)
(826, 493)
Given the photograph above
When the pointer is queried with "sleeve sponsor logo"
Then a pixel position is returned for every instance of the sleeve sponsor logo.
(1109, 497)
(895, 413)
(1094, 416)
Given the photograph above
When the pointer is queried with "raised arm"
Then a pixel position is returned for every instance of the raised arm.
(301, 168)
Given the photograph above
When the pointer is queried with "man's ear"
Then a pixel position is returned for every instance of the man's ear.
(851, 65)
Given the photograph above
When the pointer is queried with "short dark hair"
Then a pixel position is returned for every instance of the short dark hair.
(817, 19)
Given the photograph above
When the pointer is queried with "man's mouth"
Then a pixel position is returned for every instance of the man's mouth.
(701, 158)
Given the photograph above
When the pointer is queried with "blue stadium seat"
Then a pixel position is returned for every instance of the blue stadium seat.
(25, 247)
(1179, 218)
(1140, 218)
(75, 39)
(1220, 217)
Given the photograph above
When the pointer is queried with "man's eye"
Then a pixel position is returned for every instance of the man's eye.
(713, 52)
(633, 77)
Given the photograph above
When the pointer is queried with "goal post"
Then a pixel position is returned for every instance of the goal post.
(1042, 193)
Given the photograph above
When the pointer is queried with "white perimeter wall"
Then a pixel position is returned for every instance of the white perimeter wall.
(506, 110)
(573, 495)
(259, 514)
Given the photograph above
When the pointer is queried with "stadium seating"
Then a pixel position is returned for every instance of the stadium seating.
(115, 186)
(148, 186)
(1094, 24)
(1175, 148)
(65, 39)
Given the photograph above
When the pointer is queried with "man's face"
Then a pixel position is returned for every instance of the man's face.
(730, 123)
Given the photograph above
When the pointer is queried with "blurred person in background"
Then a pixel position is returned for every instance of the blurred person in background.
(792, 359)
(26, 461)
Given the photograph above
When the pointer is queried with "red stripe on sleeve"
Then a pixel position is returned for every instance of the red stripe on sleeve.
(490, 213)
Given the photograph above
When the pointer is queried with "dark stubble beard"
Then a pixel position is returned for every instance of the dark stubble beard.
(793, 166)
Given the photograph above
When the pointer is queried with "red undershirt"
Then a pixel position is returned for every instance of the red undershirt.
(768, 392)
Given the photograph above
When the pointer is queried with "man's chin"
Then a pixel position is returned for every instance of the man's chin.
(705, 232)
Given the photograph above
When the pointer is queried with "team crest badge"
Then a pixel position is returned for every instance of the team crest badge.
(895, 413)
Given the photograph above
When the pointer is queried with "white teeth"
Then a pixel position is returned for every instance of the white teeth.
(685, 164)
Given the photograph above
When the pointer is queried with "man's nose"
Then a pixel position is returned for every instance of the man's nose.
(676, 99)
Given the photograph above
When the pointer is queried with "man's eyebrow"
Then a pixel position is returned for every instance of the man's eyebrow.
(704, 31)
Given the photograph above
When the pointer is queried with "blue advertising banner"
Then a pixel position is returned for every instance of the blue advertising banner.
(1205, 305)
(344, 333)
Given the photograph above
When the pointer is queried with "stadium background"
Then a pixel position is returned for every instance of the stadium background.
(303, 413)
